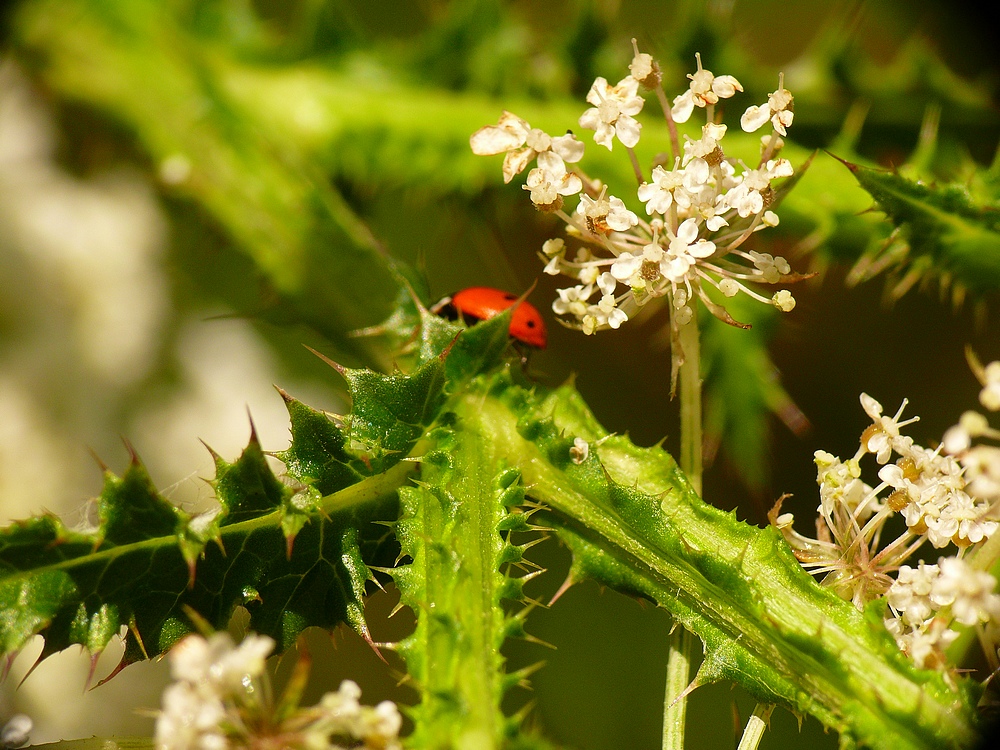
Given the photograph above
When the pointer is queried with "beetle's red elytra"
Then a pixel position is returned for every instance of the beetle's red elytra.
(483, 303)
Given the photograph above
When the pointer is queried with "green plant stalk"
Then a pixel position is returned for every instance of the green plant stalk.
(690, 383)
(679, 658)
(678, 680)
(450, 526)
(756, 726)
(633, 522)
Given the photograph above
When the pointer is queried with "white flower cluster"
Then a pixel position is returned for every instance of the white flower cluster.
(700, 207)
(946, 496)
(925, 599)
(221, 700)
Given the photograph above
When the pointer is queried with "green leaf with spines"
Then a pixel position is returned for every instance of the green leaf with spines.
(317, 455)
(948, 236)
(632, 522)
(83, 587)
(294, 555)
(626, 512)
(247, 488)
(390, 412)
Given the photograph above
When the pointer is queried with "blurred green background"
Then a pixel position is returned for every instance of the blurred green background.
(162, 163)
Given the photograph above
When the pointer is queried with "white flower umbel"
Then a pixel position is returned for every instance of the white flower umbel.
(699, 210)
(222, 699)
(947, 500)
(340, 714)
(925, 601)
(216, 664)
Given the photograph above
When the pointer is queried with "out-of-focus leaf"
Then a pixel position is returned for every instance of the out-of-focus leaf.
(942, 232)
(743, 391)
(136, 64)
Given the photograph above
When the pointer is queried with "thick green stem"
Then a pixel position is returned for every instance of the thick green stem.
(679, 659)
(450, 528)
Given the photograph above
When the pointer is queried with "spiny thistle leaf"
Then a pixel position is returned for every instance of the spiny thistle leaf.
(316, 455)
(390, 412)
(947, 235)
(294, 555)
(634, 523)
(148, 561)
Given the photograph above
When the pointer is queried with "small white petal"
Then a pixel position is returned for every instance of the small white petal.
(726, 86)
(626, 265)
(616, 318)
(715, 223)
(515, 162)
(599, 91)
(493, 140)
(571, 185)
(702, 249)
(628, 129)
(687, 232)
(683, 107)
(754, 118)
(607, 283)
(590, 119)
(605, 135)
(568, 147)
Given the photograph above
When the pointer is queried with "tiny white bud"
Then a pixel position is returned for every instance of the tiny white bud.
(729, 287)
(554, 246)
(783, 300)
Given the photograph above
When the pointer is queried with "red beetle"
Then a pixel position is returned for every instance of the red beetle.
(483, 303)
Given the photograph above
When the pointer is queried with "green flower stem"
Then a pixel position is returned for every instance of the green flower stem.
(679, 658)
(690, 380)
(756, 726)
(633, 522)
(678, 679)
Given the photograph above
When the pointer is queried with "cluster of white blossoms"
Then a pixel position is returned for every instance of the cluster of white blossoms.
(700, 205)
(221, 699)
(949, 496)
